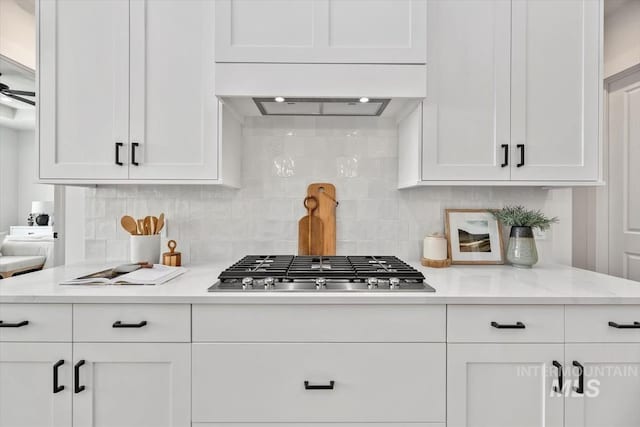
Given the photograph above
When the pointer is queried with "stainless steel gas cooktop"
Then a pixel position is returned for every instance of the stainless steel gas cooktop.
(288, 273)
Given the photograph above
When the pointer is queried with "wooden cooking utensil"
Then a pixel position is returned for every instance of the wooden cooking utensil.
(141, 226)
(129, 224)
(147, 225)
(160, 224)
(310, 234)
(325, 194)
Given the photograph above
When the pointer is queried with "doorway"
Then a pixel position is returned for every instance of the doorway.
(623, 134)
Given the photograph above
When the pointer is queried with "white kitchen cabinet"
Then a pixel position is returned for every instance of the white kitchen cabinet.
(556, 89)
(611, 385)
(321, 31)
(132, 385)
(29, 394)
(127, 95)
(319, 382)
(503, 385)
(513, 96)
(83, 88)
(466, 112)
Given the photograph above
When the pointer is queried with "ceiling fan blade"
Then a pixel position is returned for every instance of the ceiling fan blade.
(18, 98)
(21, 92)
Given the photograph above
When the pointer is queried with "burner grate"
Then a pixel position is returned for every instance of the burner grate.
(329, 267)
(383, 267)
(259, 266)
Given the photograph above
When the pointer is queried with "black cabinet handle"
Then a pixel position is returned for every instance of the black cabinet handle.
(329, 386)
(57, 388)
(505, 162)
(134, 145)
(580, 388)
(560, 386)
(13, 325)
(634, 325)
(118, 145)
(517, 325)
(521, 148)
(119, 324)
(77, 388)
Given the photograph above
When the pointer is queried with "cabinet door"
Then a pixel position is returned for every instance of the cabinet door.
(556, 90)
(83, 87)
(27, 396)
(321, 31)
(174, 112)
(466, 113)
(611, 385)
(133, 385)
(503, 385)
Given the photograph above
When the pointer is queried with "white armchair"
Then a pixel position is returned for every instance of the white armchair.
(25, 254)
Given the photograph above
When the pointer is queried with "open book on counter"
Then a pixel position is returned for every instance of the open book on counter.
(156, 275)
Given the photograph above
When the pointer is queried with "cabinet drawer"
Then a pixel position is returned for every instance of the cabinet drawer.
(35, 322)
(590, 323)
(505, 323)
(319, 323)
(371, 382)
(132, 322)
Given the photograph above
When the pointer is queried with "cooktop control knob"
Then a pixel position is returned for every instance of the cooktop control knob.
(247, 283)
(268, 283)
(394, 283)
(321, 282)
(372, 283)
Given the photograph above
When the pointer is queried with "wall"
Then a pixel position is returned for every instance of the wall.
(8, 178)
(18, 31)
(621, 35)
(29, 190)
(358, 155)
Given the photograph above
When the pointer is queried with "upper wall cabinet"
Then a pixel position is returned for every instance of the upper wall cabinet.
(513, 95)
(127, 94)
(321, 31)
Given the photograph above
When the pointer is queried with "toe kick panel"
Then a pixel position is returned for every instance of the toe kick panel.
(248, 383)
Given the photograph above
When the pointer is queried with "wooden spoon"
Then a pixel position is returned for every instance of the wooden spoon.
(129, 224)
(141, 226)
(147, 225)
(160, 223)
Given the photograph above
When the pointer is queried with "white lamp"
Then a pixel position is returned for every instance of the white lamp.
(41, 207)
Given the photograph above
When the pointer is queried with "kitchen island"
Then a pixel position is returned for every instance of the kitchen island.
(493, 345)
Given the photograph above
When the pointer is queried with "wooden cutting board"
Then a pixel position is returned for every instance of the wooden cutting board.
(310, 230)
(325, 193)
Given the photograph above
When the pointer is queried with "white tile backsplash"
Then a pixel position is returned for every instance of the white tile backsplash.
(358, 155)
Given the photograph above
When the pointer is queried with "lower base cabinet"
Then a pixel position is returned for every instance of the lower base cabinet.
(611, 385)
(504, 385)
(29, 393)
(132, 384)
(301, 383)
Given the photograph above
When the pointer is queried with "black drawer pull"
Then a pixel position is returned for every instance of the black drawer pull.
(14, 325)
(560, 386)
(634, 325)
(134, 145)
(118, 145)
(77, 388)
(517, 325)
(521, 148)
(505, 163)
(329, 386)
(119, 324)
(580, 388)
(57, 388)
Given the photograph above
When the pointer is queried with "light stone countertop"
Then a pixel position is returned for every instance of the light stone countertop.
(544, 284)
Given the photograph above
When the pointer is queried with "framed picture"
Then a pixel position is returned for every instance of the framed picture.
(474, 236)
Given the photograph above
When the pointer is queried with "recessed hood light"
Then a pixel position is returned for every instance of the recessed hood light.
(321, 106)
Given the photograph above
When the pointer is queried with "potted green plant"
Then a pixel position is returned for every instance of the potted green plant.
(522, 251)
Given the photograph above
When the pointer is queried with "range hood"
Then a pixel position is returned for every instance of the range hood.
(280, 106)
(263, 89)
